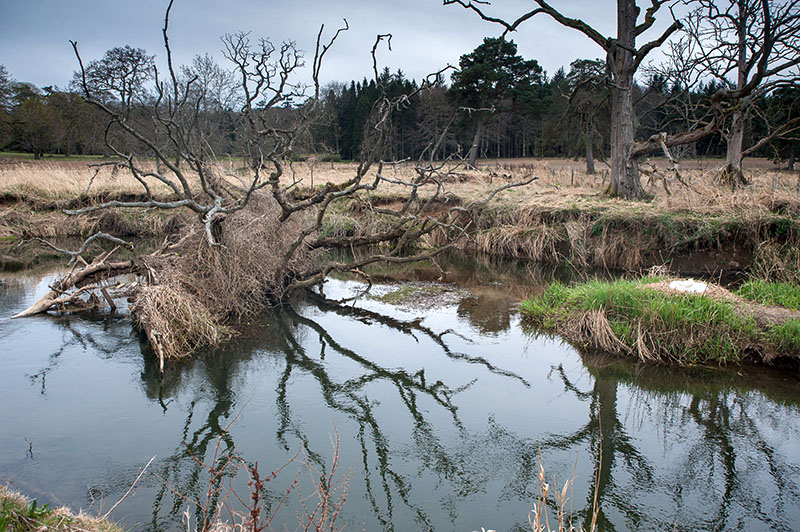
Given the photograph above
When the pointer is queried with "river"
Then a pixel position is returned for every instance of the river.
(434, 400)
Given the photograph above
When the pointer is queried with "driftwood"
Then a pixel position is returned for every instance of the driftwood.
(82, 280)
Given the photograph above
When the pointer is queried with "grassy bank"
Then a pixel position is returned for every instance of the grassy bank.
(560, 218)
(564, 218)
(20, 514)
(640, 318)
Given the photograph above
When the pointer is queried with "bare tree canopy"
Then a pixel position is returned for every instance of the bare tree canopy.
(261, 232)
(625, 55)
(749, 48)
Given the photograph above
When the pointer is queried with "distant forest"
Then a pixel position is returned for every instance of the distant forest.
(510, 108)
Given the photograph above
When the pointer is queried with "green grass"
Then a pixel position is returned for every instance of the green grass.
(786, 336)
(17, 515)
(627, 318)
(771, 293)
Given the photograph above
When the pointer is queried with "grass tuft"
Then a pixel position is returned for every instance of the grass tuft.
(785, 295)
(19, 514)
(629, 318)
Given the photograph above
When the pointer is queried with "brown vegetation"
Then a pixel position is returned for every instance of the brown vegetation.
(200, 292)
(560, 217)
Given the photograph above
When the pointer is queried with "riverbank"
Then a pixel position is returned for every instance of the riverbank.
(691, 228)
(672, 321)
(562, 217)
(20, 514)
(698, 229)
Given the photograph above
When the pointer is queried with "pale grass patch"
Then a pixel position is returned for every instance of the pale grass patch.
(60, 180)
(62, 519)
(561, 183)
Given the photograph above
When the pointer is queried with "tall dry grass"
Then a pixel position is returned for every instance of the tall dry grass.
(194, 292)
(560, 182)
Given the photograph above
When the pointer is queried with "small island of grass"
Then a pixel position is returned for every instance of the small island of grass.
(645, 319)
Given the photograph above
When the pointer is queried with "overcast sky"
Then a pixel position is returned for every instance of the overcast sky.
(34, 34)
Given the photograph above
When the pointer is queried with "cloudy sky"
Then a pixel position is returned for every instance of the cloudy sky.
(34, 34)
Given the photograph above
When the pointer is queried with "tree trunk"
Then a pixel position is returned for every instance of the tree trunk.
(732, 175)
(587, 140)
(476, 141)
(624, 166)
(790, 163)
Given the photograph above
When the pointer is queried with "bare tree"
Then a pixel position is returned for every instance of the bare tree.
(749, 47)
(261, 232)
(623, 58)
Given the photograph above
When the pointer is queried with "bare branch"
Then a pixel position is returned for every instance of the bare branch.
(75, 254)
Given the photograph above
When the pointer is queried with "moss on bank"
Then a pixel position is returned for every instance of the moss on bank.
(20, 514)
(633, 318)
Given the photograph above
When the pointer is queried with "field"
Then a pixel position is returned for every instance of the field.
(562, 216)
(559, 180)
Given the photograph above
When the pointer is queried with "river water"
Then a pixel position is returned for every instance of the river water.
(433, 401)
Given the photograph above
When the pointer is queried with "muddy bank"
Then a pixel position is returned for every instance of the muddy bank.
(21, 225)
(632, 237)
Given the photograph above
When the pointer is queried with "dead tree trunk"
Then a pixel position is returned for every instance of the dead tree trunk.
(620, 60)
(79, 280)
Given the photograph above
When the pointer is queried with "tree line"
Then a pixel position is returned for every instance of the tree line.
(509, 107)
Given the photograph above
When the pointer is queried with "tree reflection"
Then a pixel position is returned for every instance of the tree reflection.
(99, 332)
(386, 486)
(711, 482)
(673, 450)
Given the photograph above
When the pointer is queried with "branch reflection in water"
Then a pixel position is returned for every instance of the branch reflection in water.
(441, 420)
(307, 347)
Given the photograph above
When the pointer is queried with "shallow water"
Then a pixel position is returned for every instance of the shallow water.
(441, 406)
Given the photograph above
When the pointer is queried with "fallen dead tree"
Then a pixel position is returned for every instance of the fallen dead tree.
(65, 294)
(255, 241)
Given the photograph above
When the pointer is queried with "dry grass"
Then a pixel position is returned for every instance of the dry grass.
(18, 515)
(561, 182)
(63, 180)
(67, 180)
(524, 240)
(194, 291)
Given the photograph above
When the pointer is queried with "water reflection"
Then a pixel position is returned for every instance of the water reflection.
(726, 470)
(662, 448)
(441, 415)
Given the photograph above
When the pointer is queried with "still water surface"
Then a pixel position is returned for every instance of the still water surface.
(441, 407)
